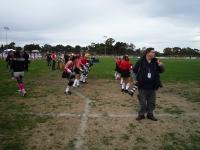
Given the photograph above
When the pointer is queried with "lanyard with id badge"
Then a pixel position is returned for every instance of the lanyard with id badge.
(149, 74)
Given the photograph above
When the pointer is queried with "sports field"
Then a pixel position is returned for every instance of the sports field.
(97, 116)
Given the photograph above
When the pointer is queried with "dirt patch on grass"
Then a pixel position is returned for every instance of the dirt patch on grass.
(54, 134)
(105, 96)
(104, 131)
(190, 91)
(49, 97)
(126, 133)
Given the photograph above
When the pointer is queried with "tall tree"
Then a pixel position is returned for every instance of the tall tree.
(167, 51)
(176, 51)
(31, 47)
(59, 48)
(120, 48)
(11, 45)
(46, 48)
(69, 48)
(77, 48)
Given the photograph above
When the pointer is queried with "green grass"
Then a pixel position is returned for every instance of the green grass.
(140, 140)
(107, 140)
(173, 141)
(14, 120)
(8, 87)
(71, 145)
(182, 71)
(176, 70)
(174, 110)
(104, 69)
(37, 70)
(13, 126)
(125, 137)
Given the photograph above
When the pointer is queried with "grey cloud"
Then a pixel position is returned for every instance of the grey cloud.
(156, 22)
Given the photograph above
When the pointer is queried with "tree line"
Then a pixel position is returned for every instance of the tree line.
(110, 47)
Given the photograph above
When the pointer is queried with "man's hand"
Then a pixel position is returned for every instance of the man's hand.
(159, 63)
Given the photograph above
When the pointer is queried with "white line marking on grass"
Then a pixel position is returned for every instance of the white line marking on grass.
(196, 114)
(111, 115)
(104, 115)
(55, 114)
(83, 126)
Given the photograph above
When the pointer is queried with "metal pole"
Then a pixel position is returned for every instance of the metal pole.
(6, 39)
(6, 29)
(105, 45)
(105, 49)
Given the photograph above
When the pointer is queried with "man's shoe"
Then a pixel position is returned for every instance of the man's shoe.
(151, 117)
(126, 91)
(140, 117)
(68, 93)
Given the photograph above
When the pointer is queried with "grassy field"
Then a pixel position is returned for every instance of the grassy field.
(179, 70)
(183, 71)
(13, 119)
(15, 122)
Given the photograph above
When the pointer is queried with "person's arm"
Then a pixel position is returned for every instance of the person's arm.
(161, 67)
(136, 67)
(66, 68)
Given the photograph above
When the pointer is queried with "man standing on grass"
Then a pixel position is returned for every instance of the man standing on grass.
(147, 71)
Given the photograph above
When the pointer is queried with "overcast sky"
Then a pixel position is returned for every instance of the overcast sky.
(156, 23)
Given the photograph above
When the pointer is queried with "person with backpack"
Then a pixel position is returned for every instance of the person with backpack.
(147, 70)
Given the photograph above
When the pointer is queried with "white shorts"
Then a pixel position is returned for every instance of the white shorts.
(18, 74)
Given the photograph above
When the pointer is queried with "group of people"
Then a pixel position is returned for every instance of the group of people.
(76, 67)
(57, 60)
(51, 60)
(76, 70)
(144, 76)
(124, 73)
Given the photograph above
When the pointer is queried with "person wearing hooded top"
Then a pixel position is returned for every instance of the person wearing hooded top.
(18, 66)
